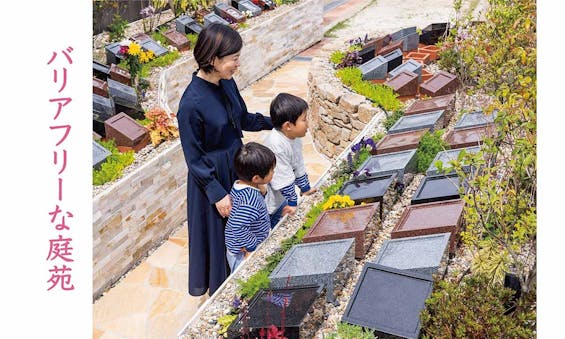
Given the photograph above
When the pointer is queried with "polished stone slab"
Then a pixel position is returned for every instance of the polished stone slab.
(437, 188)
(430, 120)
(445, 157)
(99, 154)
(475, 119)
(397, 162)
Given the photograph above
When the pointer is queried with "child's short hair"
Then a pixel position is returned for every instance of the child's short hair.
(286, 107)
(253, 159)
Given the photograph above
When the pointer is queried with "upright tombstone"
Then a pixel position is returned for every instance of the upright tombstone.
(409, 36)
(247, 6)
(468, 137)
(400, 141)
(368, 190)
(228, 12)
(394, 45)
(388, 301)
(441, 83)
(432, 33)
(397, 162)
(411, 66)
(437, 188)
(359, 222)
(177, 40)
(214, 18)
(113, 55)
(375, 68)
(289, 308)
(99, 155)
(423, 254)
(366, 53)
(126, 132)
(120, 75)
(404, 83)
(431, 120)
(327, 263)
(393, 59)
(100, 87)
(186, 25)
(475, 119)
(125, 99)
(379, 42)
(100, 70)
(445, 157)
(102, 109)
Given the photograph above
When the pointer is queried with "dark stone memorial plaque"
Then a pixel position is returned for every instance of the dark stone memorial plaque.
(247, 6)
(102, 109)
(368, 190)
(177, 40)
(437, 188)
(432, 33)
(431, 218)
(100, 70)
(445, 157)
(120, 75)
(468, 137)
(400, 141)
(404, 83)
(410, 38)
(444, 102)
(359, 222)
(125, 99)
(397, 162)
(423, 254)
(327, 263)
(152, 45)
(228, 12)
(214, 18)
(388, 301)
(375, 68)
(99, 154)
(113, 55)
(126, 131)
(100, 87)
(393, 59)
(367, 53)
(411, 66)
(441, 83)
(432, 120)
(186, 25)
(284, 307)
(390, 48)
(475, 119)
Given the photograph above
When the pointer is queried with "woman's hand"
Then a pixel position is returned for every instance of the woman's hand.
(224, 206)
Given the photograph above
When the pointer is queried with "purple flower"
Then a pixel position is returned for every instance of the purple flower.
(147, 12)
(356, 173)
(236, 303)
(356, 148)
(350, 160)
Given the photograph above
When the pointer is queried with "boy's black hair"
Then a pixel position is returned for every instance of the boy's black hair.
(253, 159)
(215, 41)
(286, 107)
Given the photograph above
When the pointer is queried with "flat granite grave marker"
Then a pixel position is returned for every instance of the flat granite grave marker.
(432, 33)
(100, 87)
(367, 53)
(152, 45)
(437, 188)
(448, 155)
(404, 83)
(247, 6)
(102, 109)
(100, 70)
(177, 40)
(475, 119)
(441, 83)
(228, 12)
(388, 301)
(411, 66)
(379, 42)
(397, 162)
(327, 263)
(468, 137)
(213, 18)
(113, 55)
(290, 308)
(186, 25)
(443, 102)
(368, 190)
(431, 218)
(432, 120)
(397, 142)
(99, 154)
(125, 99)
(393, 59)
(375, 68)
(423, 254)
(120, 75)
(126, 132)
(359, 222)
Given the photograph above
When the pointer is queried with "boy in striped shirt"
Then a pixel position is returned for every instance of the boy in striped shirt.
(288, 114)
(248, 223)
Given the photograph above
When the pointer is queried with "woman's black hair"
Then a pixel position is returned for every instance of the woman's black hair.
(286, 107)
(215, 41)
(253, 159)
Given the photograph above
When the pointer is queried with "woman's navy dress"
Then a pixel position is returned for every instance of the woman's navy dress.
(211, 119)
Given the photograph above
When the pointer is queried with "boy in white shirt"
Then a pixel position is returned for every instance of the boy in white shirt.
(288, 114)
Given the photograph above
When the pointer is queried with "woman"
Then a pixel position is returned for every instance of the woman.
(211, 118)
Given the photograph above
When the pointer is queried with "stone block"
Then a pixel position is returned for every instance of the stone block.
(441, 83)
(411, 66)
(368, 189)
(120, 74)
(432, 50)
(367, 53)
(379, 42)
(391, 47)
(186, 25)
(400, 141)
(410, 42)
(99, 154)
(375, 68)
(433, 33)
(329, 92)
(125, 99)
(126, 131)
(214, 18)
(350, 102)
(366, 112)
(393, 59)
(177, 40)
(102, 109)
(468, 137)
(156, 48)
(444, 102)
(247, 6)
(400, 34)
(475, 119)
(228, 12)
(327, 263)
(423, 254)
(388, 301)
(445, 157)
(112, 53)
(100, 70)
(420, 57)
(357, 222)
(437, 188)
(431, 120)
(397, 162)
(100, 87)
(431, 218)
(404, 83)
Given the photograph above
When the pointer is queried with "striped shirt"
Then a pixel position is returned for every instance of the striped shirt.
(248, 223)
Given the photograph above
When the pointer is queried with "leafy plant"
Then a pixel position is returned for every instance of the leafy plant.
(162, 61)
(160, 37)
(430, 145)
(259, 280)
(337, 57)
(225, 321)
(349, 331)
(134, 59)
(349, 75)
(381, 95)
(340, 25)
(476, 309)
(117, 28)
(161, 126)
(152, 14)
(179, 7)
(392, 119)
(192, 37)
(113, 168)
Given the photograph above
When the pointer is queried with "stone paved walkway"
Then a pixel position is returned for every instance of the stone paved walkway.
(151, 301)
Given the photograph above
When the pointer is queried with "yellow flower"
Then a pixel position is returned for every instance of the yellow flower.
(150, 55)
(134, 49)
(143, 57)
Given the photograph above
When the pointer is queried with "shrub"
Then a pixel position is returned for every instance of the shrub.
(161, 61)
(348, 331)
(349, 75)
(192, 37)
(117, 28)
(337, 57)
(160, 126)
(392, 119)
(259, 280)
(381, 95)
(475, 309)
(430, 145)
(160, 37)
(113, 168)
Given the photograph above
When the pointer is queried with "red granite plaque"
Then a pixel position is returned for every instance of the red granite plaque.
(404, 83)
(423, 58)
(379, 42)
(120, 75)
(390, 47)
(100, 87)
(468, 137)
(359, 222)
(445, 102)
(126, 131)
(441, 83)
(400, 141)
(431, 218)
(177, 40)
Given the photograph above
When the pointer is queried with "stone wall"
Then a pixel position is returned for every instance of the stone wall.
(142, 209)
(266, 45)
(337, 115)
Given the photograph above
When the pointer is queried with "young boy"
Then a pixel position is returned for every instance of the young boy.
(288, 113)
(248, 223)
